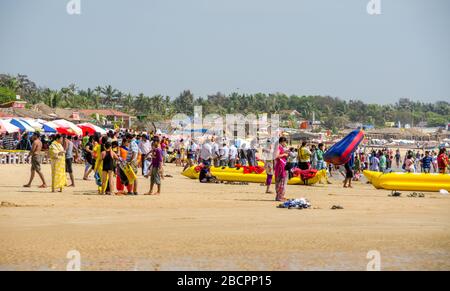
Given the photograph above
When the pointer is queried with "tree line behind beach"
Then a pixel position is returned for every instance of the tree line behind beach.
(333, 112)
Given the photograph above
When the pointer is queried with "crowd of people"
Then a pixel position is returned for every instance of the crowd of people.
(280, 160)
(116, 158)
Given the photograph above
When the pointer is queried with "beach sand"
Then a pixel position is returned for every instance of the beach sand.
(194, 226)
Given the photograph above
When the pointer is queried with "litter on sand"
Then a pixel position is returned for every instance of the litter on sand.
(334, 207)
(395, 194)
(416, 194)
(299, 203)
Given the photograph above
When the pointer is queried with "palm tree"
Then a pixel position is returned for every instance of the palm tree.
(109, 95)
(68, 95)
(128, 102)
(53, 98)
(139, 103)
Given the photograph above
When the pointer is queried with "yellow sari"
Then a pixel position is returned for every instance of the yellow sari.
(99, 166)
(98, 158)
(58, 165)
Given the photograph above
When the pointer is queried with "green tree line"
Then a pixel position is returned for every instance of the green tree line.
(334, 112)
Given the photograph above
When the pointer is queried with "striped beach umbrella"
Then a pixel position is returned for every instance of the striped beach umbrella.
(90, 128)
(69, 126)
(6, 126)
(47, 126)
(23, 126)
(33, 123)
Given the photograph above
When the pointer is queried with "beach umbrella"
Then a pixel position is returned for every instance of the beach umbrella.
(55, 128)
(6, 126)
(48, 127)
(33, 123)
(69, 126)
(90, 128)
(51, 127)
(23, 126)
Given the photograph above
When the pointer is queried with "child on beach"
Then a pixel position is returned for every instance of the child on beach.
(426, 162)
(268, 164)
(205, 174)
(348, 175)
(409, 164)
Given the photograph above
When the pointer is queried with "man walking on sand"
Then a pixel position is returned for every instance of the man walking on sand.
(35, 154)
(156, 169)
(69, 159)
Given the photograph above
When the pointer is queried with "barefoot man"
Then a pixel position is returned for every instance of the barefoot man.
(156, 168)
(35, 154)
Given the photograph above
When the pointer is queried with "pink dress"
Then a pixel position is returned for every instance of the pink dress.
(280, 175)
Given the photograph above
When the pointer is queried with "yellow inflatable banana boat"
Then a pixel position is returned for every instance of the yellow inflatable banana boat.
(237, 175)
(409, 181)
(231, 170)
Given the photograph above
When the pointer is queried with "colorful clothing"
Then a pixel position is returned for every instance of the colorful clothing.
(268, 166)
(98, 158)
(281, 176)
(58, 163)
(442, 161)
(121, 178)
(426, 162)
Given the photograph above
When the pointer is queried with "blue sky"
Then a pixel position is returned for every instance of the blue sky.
(324, 47)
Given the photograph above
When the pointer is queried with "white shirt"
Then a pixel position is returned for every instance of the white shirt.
(194, 147)
(215, 150)
(233, 152)
(145, 147)
(225, 152)
(206, 151)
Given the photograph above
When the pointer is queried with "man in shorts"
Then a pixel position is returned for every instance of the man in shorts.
(69, 159)
(156, 168)
(36, 158)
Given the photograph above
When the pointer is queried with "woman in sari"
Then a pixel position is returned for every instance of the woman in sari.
(281, 175)
(121, 178)
(58, 162)
(98, 168)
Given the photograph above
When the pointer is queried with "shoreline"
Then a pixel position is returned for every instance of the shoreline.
(194, 226)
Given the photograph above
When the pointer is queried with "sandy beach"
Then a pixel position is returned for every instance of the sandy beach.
(194, 226)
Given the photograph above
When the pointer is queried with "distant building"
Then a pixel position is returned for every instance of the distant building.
(72, 115)
(422, 124)
(354, 125)
(109, 117)
(287, 113)
(5, 115)
(14, 104)
(17, 109)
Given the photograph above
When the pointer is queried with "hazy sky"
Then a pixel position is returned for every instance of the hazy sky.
(325, 47)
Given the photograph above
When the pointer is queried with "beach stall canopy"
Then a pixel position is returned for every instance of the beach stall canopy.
(68, 126)
(33, 123)
(90, 128)
(6, 126)
(50, 127)
(23, 126)
(58, 129)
